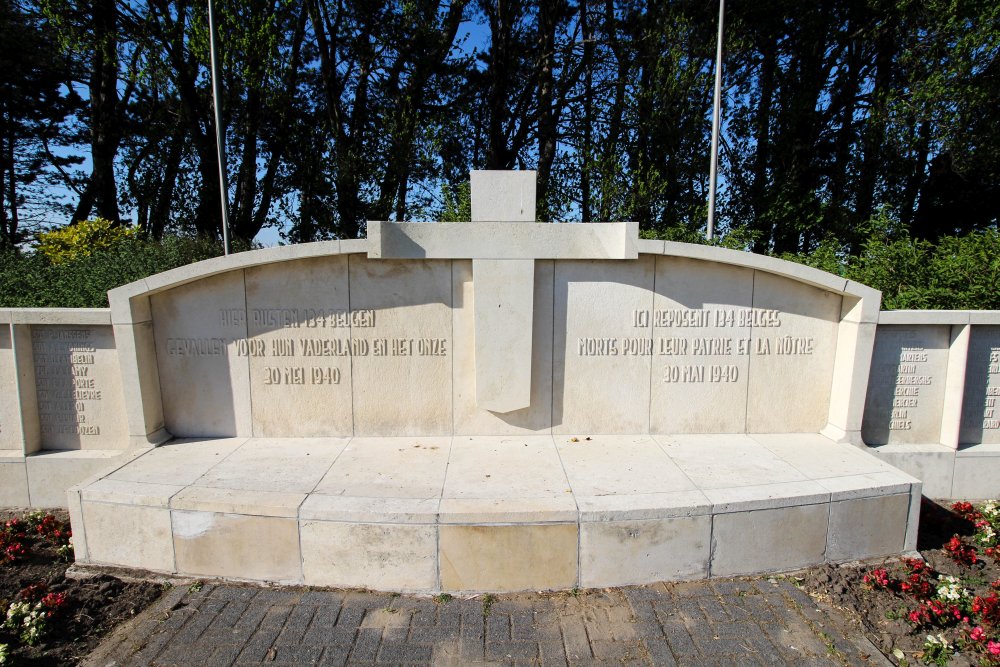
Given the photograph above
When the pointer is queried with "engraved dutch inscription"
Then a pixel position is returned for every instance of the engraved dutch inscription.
(299, 324)
(77, 386)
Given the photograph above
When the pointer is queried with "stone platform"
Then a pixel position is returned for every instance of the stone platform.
(476, 513)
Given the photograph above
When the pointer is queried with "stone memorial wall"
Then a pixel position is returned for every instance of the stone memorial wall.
(439, 330)
(78, 387)
(10, 420)
(352, 345)
(62, 412)
(980, 411)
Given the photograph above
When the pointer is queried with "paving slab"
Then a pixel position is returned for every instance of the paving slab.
(750, 621)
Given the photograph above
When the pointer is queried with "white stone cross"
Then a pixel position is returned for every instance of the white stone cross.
(503, 251)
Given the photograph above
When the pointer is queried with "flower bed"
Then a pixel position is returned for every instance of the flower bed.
(45, 618)
(941, 609)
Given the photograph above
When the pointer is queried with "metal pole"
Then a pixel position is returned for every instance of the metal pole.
(713, 172)
(220, 141)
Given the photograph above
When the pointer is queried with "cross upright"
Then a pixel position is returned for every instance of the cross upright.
(503, 243)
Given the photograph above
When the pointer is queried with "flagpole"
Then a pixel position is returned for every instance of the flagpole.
(220, 141)
(713, 173)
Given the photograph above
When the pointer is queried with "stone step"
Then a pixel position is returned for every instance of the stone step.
(486, 513)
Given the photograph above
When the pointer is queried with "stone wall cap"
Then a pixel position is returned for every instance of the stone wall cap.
(63, 316)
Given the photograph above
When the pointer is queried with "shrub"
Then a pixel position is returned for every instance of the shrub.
(31, 280)
(84, 238)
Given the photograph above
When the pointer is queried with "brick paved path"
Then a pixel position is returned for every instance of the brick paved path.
(724, 622)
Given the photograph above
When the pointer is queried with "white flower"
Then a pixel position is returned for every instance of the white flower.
(951, 589)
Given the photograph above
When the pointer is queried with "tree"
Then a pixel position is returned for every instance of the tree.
(33, 108)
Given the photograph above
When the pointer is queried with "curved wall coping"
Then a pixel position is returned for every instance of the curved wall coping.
(122, 313)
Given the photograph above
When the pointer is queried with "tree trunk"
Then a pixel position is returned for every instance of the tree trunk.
(105, 132)
(547, 118)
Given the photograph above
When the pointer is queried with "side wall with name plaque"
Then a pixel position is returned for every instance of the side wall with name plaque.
(906, 387)
(78, 385)
(10, 417)
(981, 400)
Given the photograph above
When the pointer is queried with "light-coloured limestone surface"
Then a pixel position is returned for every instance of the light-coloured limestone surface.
(503, 195)
(179, 462)
(202, 357)
(612, 465)
(701, 322)
(128, 536)
(260, 548)
(977, 470)
(389, 468)
(620, 553)
(602, 368)
(79, 387)
(402, 363)
(906, 386)
(495, 513)
(362, 555)
(792, 360)
(981, 406)
(13, 481)
(509, 558)
(504, 312)
(293, 465)
(771, 539)
(11, 437)
(502, 240)
(934, 465)
(299, 323)
(51, 473)
(494, 467)
(472, 419)
(875, 526)
(737, 460)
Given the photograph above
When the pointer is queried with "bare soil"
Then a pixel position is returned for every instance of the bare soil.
(881, 613)
(94, 606)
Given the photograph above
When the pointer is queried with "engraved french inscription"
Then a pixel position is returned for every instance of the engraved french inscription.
(701, 319)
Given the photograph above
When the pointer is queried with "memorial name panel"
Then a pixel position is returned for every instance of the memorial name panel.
(300, 322)
(905, 399)
(401, 346)
(469, 418)
(10, 418)
(701, 321)
(78, 386)
(202, 355)
(602, 361)
(981, 402)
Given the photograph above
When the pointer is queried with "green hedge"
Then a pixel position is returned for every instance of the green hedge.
(31, 280)
(955, 273)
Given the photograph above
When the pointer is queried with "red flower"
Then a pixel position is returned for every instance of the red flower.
(54, 601)
(977, 634)
(33, 592)
(960, 552)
